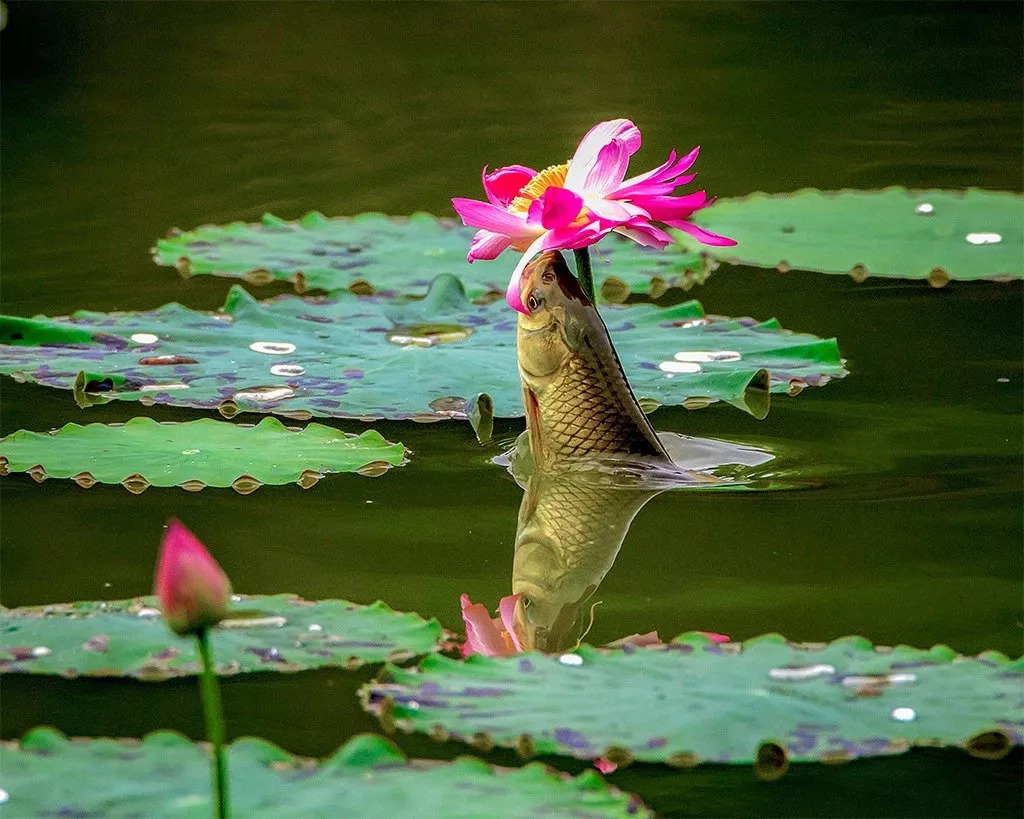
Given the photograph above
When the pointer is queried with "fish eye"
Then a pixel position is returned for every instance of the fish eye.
(547, 277)
(534, 302)
(526, 602)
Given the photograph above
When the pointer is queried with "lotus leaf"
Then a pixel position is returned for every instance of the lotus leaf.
(370, 358)
(392, 255)
(696, 701)
(934, 234)
(166, 774)
(195, 454)
(127, 638)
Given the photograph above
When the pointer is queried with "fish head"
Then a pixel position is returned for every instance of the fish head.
(548, 615)
(557, 316)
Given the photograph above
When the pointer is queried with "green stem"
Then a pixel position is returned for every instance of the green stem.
(584, 273)
(213, 713)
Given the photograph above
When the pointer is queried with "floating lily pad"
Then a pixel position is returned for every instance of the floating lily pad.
(143, 453)
(696, 701)
(367, 358)
(934, 234)
(393, 255)
(48, 775)
(128, 638)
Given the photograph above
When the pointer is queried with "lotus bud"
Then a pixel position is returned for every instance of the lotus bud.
(193, 590)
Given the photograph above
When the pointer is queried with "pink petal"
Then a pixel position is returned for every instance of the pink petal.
(605, 766)
(590, 147)
(507, 609)
(608, 170)
(610, 211)
(715, 637)
(504, 184)
(705, 236)
(664, 208)
(663, 179)
(487, 245)
(556, 208)
(492, 217)
(482, 636)
(645, 234)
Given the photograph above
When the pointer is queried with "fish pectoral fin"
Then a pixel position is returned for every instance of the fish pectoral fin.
(533, 426)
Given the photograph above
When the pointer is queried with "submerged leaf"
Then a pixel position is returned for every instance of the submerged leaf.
(934, 234)
(126, 638)
(351, 357)
(766, 701)
(48, 775)
(195, 454)
(374, 253)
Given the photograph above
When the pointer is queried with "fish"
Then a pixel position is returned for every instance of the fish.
(577, 400)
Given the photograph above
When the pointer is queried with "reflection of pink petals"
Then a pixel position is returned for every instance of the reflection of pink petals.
(490, 636)
(714, 637)
(605, 766)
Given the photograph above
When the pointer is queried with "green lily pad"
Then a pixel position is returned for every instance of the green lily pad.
(143, 453)
(696, 701)
(128, 638)
(393, 255)
(934, 234)
(351, 357)
(166, 774)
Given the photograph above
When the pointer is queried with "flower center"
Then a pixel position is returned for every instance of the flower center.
(552, 176)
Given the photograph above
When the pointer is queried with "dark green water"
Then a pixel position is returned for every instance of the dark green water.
(122, 120)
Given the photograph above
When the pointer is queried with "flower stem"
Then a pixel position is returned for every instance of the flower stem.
(213, 713)
(584, 273)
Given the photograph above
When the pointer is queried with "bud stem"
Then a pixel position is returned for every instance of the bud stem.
(584, 273)
(213, 713)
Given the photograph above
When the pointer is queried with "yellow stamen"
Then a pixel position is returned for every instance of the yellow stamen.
(553, 175)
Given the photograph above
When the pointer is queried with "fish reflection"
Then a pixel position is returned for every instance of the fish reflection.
(570, 529)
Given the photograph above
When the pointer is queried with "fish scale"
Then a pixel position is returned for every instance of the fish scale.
(584, 411)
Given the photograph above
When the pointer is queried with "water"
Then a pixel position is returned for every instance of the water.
(123, 120)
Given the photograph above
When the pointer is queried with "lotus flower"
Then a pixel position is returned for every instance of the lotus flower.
(492, 637)
(571, 206)
(194, 591)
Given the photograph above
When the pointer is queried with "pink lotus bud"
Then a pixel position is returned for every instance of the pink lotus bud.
(194, 591)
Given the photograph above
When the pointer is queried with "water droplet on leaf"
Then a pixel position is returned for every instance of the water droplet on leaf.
(272, 347)
(145, 338)
(704, 356)
(571, 659)
(679, 367)
(804, 672)
(166, 360)
(262, 394)
(984, 238)
(287, 369)
(428, 335)
(904, 714)
(925, 209)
